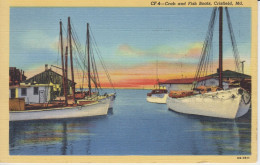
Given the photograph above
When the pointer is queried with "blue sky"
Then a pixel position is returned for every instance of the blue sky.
(127, 37)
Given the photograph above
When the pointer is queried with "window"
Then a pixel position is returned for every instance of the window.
(24, 91)
(36, 90)
(12, 93)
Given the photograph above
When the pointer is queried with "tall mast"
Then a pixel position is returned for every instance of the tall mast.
(89, 81)
(66, 73)
(71, 61)
(220, 46)
(62, 62)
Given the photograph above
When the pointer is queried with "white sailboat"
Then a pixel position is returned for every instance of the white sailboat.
(231, 103)
(97, 108)
(92, 74)
(157, 95)
(70, 106)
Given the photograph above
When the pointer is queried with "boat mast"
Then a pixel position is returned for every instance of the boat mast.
(220, 46)
(89, 82)
(66, 72)
(71, 61)
(62, 62)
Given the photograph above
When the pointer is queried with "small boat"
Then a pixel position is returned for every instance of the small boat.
(212, 101)
(157, 95)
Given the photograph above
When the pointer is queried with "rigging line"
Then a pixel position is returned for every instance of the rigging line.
(97, 75)
(105, 69)
(78, 55)
(78, 63)
(95, 72)
(205, 50)
(77, 42)
(85, 66)
(85, 56)
(208, 44)
(233, 41)
(102, 62)
(209, 50)
(212, 46)
(93, 68)
(201, 63)
(76, 52)
(77, 38)
(91, 63)
(78, 48)
(205, 45)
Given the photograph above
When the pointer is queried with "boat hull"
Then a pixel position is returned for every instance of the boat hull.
(222, 104)
(157, 98)
(95, 109)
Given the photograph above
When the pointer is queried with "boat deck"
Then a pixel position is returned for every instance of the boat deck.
(52, 105)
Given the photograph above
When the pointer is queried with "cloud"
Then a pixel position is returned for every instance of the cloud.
(191, 51)
(37, 39)
(171, 52)
(127, 50)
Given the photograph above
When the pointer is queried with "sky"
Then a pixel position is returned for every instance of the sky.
(134, 42)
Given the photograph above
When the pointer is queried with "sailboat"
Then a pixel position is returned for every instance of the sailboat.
(157, 95)
(231, 103)
(72, 106)
(93, 76)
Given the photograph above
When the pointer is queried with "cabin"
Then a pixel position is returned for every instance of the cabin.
(229, 78)
(236, 79)
(186, 84)
(32, 94)
(48, 76)
(229, 75)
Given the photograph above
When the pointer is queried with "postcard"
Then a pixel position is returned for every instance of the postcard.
(151, 81)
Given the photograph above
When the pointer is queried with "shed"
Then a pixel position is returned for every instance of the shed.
(50, 77)
(187, 83)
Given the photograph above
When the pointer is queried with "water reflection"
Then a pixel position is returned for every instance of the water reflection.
(110, 111)
(226, 136)
(64, 139)
(51, 135)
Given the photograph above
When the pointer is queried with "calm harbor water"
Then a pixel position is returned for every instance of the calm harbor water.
(133, 127)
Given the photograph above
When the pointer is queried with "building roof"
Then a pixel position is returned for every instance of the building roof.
(231, 74)
(226, 74)
(46, 77)
(29, 85)
(183, 80)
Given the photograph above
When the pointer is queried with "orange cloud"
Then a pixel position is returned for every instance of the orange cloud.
(192, 51)
(129, 51)
(165, 51)
(143, 75)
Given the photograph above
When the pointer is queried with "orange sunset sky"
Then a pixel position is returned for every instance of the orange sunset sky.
(133, 44)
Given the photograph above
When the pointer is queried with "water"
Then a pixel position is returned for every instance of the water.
(133, 127)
